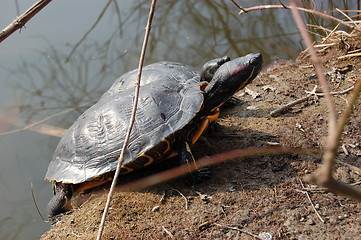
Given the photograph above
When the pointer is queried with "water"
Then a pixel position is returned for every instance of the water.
(37, 83)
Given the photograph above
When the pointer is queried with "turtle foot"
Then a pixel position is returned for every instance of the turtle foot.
(197, 177)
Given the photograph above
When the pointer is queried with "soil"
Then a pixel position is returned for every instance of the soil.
(250, 198)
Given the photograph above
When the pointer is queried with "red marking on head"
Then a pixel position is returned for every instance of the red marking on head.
(237, 70)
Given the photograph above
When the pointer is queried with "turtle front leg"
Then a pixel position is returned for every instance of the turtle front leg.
(186, 157)
(60, 202)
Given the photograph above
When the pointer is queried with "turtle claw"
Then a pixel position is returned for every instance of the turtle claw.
(55, 219)
(203, 174)
(198, 176)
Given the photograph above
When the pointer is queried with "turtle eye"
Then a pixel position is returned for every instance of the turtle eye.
(253, 61)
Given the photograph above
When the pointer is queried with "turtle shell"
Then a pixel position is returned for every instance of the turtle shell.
(169, 99)
(165, 70)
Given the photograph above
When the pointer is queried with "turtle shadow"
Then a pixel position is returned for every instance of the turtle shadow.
(240, 174)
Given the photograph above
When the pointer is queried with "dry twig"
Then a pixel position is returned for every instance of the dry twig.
(132, 118)
(180, 193)
(89, 31)
(294, 7)
(20, 21)
(238, 229)
(168, 232)
(310, 200)
(349, 55)
(323, 176)
(332, 93)
(284, 108)
(162, 199)
(34, 200)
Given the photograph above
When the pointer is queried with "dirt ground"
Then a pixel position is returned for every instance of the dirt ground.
(256, 197)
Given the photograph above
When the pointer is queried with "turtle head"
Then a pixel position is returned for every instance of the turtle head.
(230, 77)
(211, 67)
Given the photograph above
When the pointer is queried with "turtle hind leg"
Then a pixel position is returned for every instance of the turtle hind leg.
(60, 202)
(186, 157)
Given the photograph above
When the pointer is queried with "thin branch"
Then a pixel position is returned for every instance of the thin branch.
(238, 6)
(332, 93)
(263, 7)
(132, 119)
(180, 193)
(350, 55)
(331, 143)
(168, 232)
(350, 19)
(282, 109)
(311, 202)
(323, 176)
(89, 31)
(335, 186)
(20, 21)
(34, 200)
(238, 229)
(332, 184)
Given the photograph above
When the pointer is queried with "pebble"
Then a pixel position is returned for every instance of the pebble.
(333, 219)
(310, 222)
(265, 236)
(341, 217)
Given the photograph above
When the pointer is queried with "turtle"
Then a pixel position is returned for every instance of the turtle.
(173, 71)
(176, 105)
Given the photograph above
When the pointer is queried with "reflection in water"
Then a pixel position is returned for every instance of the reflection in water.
(190, 32)
(53, 86)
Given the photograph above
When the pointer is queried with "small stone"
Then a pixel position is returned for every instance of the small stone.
(265, 236)
(333, 219)
(317, 206)
(310, 222)
(302, 219)
(231, 189)
(251, 108)
(205, 198)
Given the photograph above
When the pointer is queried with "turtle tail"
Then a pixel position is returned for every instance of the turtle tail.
(60, 202)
